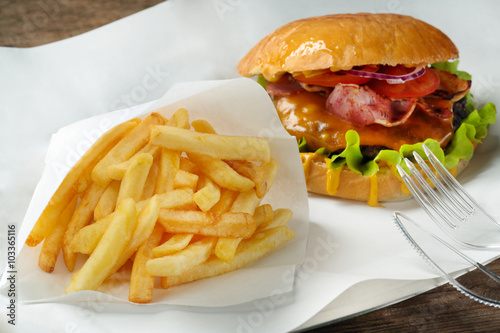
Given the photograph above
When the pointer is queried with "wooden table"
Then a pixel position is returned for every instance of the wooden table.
(27, 23)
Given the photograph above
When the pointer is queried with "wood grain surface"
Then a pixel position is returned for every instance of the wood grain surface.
(27, 23)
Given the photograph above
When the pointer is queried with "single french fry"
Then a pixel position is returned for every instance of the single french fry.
(181, 199)
(226, 247)
(254, 172)
(174, 244)
(185, 179)
(207, 224)
(218, 146)
(53, 242)
(227, 198)
(83, 183)
(281, 217)
(117, 171)
(263, 215)
(141, 281)
(132, 184)
(186, 165)
(65, 192)
(246, 202)
(250, 250)
(169, 164)
(126, 148)
(86, 239)
(271, 168)
(107, 203)
(177, 263)
(179, 119)
(208, 195)
(150, 185)
(82, 216)
(146, 221)
(221, 173)
(98, 266)
(203, 126)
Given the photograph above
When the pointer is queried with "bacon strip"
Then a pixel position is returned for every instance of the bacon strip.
(285, 86)
(451, 87)
(362, 106)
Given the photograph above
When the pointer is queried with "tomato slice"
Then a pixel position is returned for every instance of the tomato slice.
(418, 87)
(331, 79)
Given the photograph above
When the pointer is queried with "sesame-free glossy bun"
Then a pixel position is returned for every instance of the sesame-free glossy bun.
(343, 41)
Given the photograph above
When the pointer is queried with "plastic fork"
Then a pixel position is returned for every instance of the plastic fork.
(480, 283)
(448, 203)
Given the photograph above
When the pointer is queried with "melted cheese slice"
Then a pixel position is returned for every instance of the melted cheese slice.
(304, 115)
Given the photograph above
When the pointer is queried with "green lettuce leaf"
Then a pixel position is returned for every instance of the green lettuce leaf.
(452, 66)
(303, 145)
(353, 157)
(262, 81)
(473, 129)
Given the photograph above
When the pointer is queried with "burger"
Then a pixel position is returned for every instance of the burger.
(361, 92)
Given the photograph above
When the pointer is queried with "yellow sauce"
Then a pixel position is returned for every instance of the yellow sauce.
(307, 163)
(333, 180)
(404, 188)
(373, 199)
(453, 171)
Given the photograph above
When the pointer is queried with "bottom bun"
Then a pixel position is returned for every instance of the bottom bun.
(385, 186)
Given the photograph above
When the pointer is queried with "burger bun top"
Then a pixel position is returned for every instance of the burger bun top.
(343, 41)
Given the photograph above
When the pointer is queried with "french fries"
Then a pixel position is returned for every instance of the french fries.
(82, 216)
(125, 148)
(183, 260)
(108, 251)
(141, 281)
(107, 203)
(249, 251)
(182, 204)
(246, 202)
(79, 173)
(53, 243)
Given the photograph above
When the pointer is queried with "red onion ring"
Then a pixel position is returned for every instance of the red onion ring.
(391, 79)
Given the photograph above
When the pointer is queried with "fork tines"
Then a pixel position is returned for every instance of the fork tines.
(447, 202)
(447, 198)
